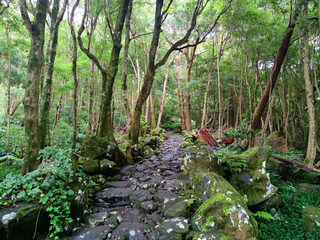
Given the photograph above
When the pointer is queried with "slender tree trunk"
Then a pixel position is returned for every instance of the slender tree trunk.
(56, 19)
(219, 92)
(284, 115)
(36, 31)
(275, 69)
(180, 94)
(311, 149)
(190, 58)
(240, 94)
(125, 101)
(164, 93)
(8, 90)
(75, 87)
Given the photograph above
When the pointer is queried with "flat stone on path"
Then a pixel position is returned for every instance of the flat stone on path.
(174, 225)
(131, 231)
(114, 194)
(161, 195)
(95, 233)
(119, 184)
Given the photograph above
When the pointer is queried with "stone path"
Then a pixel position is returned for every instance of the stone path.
(144, 203)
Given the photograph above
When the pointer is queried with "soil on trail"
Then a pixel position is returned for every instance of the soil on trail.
(134, 206)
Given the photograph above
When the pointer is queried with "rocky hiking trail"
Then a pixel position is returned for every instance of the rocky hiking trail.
(144, 203)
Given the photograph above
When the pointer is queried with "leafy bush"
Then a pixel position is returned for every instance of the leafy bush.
(49, 185)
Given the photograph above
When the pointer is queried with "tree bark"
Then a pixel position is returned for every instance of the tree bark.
(180, 94)
(124, 73)
(8, 90)
(56, 19)
(164, 92)
(36, 31)
(190, 58)
(276, 68)
(311, 149)
(75, 78)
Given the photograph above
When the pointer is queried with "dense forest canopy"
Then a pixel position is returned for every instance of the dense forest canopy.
(134, 60)
(243, 72)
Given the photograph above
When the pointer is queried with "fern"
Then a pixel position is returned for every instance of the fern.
(263, 215)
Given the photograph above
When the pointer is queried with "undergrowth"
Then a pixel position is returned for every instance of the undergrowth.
(49, 185)
(288, 223)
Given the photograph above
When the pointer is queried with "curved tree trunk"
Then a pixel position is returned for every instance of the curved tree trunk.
(36, 31)
(275, 69)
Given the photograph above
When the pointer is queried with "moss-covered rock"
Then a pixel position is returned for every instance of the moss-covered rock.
(148, 152)
(94, 154)
(80, 200)
(254, 183)
(201, 159)
(307, 187)
(22, 221)
(178, 209)
(227, 213)
(137, 152)
(194, 235)
(206, 185)
(311, 218)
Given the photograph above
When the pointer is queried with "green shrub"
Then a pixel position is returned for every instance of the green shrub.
(49, 185)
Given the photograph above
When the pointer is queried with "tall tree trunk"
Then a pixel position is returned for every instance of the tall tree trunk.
(180, 94)
(190, 58)
(8, 90)
(284, 115)
(219, 92)
(36, 31)
(164, 91)
(109, 74)
(75, 87)
(311, 149)
(56, 19)
(125, 101)
(276, 68)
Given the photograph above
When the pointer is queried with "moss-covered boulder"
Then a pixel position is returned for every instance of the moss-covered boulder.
(194, 235)
(254, 183)
(137, 152)
(96, 155)
(80, 199)
(311, 218)
(153, 141)
(148, 152)
(227, 213)
(24, 221)
(206, 185)
(201, 159)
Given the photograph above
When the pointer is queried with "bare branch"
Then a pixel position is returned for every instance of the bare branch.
(83, 49)
(25, 16)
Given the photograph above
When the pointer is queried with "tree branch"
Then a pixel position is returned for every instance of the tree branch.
(25, 16)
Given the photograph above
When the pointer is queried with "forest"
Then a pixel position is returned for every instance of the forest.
(159, 119)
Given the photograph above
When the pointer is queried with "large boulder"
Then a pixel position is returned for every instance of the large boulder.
(201, 159)
(223, 208)
(254, 182)
(22, 221)
(99, 156)
(227, 213)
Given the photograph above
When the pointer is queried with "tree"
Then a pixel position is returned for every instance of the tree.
(160, 16)
(109, 73)
(56, 18)
(276, 68)
(36, 30)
